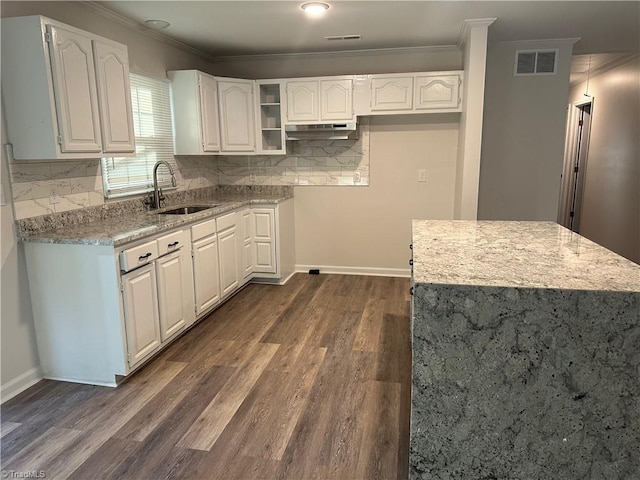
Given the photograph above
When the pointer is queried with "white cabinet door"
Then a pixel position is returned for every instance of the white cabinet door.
(390, 92)
(74, 82)
(206, 273)
(237, 128)
(336, 99)
(114, 96)
(247, 242)
(264, 240)
(228, 254)
(172, 295)
(140, 304)
(209, 113)
(302, 101)
(434, 91)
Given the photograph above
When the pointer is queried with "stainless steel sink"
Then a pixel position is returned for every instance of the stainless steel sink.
(186, 210)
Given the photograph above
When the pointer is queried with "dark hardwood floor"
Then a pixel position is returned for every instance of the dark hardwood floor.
(310, 380)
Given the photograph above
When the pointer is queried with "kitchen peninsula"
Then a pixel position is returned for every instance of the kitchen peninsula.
(526, 354)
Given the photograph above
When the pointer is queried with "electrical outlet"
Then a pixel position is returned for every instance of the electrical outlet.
(53, 199)
(356, 176)
(422, 175)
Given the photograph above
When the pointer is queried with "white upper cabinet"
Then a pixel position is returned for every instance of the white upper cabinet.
(414, 93)
(195, 112)
(208, 100)
(437, 91)
(114, 94)
(336, 100)
(237, 128)
(65, 91)
(269, 122)
(315, 100)
(391, 93)
(302, 101)
(75, 90)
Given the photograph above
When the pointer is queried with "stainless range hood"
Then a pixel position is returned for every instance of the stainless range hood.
(324, 131)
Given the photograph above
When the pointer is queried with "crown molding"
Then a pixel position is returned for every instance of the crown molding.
(541, 41)
(340, 53)
(472, 23)
(133, 25)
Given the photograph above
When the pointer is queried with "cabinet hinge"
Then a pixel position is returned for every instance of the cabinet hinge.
(575, 169)
(571, 214)
(129, 358)
(47, 37)
(121, 287)
(59, 139)
(580, 123)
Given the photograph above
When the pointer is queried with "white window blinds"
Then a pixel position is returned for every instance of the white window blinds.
(151, 101)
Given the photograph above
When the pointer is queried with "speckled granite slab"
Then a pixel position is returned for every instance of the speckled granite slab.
(526, 354)
(119, 223)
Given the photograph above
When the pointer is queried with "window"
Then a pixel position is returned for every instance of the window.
(151, 101)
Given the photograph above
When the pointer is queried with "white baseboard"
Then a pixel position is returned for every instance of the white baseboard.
(20, 384)
(83, 382)
(378, 272)
(273, 281)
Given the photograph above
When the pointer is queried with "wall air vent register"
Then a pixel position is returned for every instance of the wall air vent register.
(535, 62)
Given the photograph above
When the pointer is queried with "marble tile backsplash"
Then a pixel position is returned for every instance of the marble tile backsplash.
(317, 162)
(78, 184)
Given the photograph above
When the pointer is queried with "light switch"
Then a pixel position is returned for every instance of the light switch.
(422, 175)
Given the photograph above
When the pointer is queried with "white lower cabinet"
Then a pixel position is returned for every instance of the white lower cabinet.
(206, 273)
(246, 244)
(101, 311)
(228, 255)
(140, 303)
(157, 298)
(172, 294)
(273, 242)
(264, 225)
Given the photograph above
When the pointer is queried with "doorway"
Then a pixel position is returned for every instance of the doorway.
(575, 163)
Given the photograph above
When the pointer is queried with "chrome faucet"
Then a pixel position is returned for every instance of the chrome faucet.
(157, 192)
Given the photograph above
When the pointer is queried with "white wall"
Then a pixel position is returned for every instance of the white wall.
(610, 212)
(19, 366)
(369, 229)
(523, 136)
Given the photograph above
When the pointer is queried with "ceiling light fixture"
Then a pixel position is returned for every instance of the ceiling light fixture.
(315, 9)
(157, 24)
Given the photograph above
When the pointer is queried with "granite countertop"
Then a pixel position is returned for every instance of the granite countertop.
(118, 231)
(516, 254)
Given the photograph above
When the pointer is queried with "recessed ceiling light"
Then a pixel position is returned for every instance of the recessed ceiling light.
(315, 9)
(156, 24)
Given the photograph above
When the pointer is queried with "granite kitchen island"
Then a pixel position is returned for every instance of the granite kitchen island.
(526, 354)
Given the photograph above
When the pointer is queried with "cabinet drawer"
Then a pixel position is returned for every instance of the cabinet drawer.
(203, 229)
(137, 256)
(172, 241)
(226, 221)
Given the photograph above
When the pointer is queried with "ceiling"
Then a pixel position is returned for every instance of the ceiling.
(243, 27)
